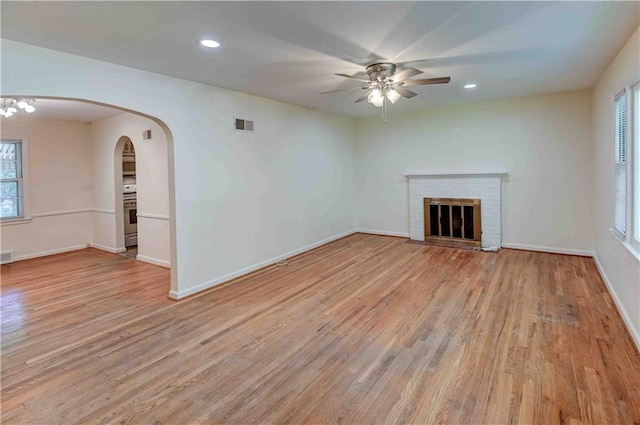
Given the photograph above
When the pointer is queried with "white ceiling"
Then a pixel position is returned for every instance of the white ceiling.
(290, 50)
(68, 110)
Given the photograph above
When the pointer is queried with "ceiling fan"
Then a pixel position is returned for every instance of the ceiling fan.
(387, 82)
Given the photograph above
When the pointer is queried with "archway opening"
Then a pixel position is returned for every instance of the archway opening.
(125, 175)
(110, 167)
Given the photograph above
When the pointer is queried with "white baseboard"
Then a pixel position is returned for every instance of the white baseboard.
(549, 249)
(176, 295)
(107, 248)
(635, 336)
(383, 233)
(154, 261)
(50, 252)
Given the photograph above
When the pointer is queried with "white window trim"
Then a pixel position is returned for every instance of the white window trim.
(628, 247)
(26, 204)
(634, 178)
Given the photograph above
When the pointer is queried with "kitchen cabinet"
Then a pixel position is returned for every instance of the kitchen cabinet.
(128, 148)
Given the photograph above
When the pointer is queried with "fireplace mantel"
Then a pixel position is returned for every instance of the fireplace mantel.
(456, 173)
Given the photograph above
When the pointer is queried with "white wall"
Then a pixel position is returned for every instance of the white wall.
(620, 268)
(59, 186)
(239, 199)
(153, 186)
(543, 142)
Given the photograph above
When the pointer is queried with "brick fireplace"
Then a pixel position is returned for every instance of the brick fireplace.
(483, 186)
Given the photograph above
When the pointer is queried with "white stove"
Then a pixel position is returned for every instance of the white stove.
(130, 205)
(129, 188)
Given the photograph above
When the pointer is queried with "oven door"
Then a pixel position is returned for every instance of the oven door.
(130, 218)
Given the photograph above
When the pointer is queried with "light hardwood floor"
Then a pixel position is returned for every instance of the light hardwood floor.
(367, 329)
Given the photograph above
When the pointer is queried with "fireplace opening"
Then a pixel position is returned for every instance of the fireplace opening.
(452, 220)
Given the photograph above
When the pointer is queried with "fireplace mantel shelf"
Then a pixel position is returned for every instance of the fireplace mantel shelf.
(489, 173)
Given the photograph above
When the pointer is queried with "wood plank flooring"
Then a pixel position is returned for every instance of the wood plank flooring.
(365, 330)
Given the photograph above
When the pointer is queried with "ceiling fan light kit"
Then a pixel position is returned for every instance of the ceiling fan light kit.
(10, 106)
(376, 98)
(393, 96)
(386, 83)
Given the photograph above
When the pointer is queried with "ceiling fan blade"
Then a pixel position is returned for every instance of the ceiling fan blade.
(335, 91)
(405, 93)
(353, 78)
(406, 73)
(365, 95)
(426, 81)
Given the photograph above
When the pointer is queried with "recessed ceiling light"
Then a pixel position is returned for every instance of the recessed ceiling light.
(212, 44)
(469, 86)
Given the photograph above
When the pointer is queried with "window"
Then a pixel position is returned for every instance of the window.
(626, 220)
(11, 184)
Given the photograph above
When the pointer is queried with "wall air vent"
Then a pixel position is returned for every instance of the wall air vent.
(146, 136)
(6, 257)
(240, 124)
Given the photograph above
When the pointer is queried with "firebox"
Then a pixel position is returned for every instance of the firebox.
(452, 220)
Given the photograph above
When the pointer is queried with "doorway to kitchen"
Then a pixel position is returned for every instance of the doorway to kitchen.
(139, 163)
(129, 197)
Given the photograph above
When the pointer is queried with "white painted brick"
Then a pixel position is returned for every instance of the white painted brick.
(485, 188)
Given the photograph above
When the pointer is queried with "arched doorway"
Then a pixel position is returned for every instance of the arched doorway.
(125, 173)
(113, 213)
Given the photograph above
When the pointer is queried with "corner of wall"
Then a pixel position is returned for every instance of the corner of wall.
(619, 273)
(633, 332)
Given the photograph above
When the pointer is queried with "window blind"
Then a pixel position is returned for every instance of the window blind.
(10, 179)
(620, 207)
